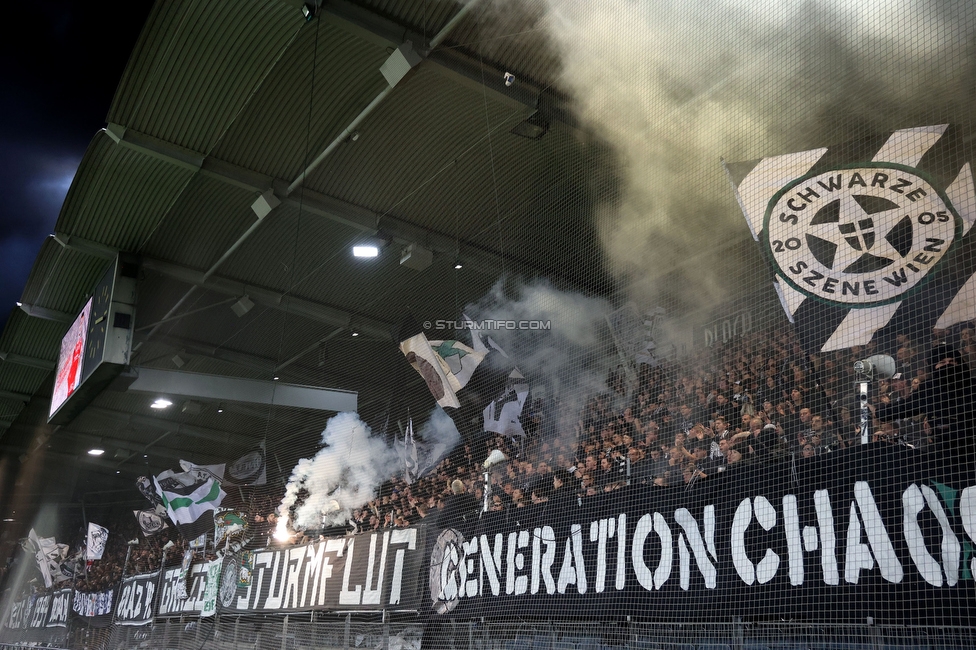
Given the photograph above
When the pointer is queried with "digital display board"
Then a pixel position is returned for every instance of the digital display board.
(71, 360)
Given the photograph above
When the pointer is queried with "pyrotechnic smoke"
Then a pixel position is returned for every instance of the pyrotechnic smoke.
(674, 86)
(569, 359)
(439, 435)
(342, 476)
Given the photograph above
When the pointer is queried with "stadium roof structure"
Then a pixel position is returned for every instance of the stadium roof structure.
(246, 150)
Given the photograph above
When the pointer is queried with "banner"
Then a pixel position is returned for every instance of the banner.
(15, 618)
(95, 607)
(209, 606)
(869, 239)
(781, 541)
(59, 608)
(372, 571)
(136, 600)
(171, 602)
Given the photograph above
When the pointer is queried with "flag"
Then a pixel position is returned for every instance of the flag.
(435, 370)
(49, 555)
(458, 361)
(190, 499)
(408, 454)
(230, 529)
(150, 521)
(216, 472)
(249, 469)
(478, 343)
(95, 542)
(868, 239)
(502, 415)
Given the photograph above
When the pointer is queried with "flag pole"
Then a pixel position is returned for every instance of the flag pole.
(862, 393)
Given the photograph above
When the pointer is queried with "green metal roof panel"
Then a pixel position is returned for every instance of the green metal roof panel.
(207, 217)
(276, 134)
(120, 196)
(197, 65)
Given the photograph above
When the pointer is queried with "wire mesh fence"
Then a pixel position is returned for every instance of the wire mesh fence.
(685, 350)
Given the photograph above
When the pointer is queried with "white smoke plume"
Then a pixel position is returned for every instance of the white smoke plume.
(569, 360)
(674, 86)
(439, 435)
(345, 474)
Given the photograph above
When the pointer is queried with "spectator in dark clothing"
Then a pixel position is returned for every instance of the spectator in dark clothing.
(946, 397)
(460, 509)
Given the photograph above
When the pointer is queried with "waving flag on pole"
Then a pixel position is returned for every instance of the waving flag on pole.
(95, 542)
(867, 239)
(190, 499)
(446, 365)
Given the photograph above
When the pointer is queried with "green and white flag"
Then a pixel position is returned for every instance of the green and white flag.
(190, 499)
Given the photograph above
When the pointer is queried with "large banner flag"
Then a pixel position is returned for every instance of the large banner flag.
(446, 365)
(867, 239)
(503, 415)
(95, 542)
(190, 499)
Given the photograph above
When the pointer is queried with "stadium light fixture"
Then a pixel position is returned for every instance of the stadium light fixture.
(161, 403)
(365, 251)
(96, 451)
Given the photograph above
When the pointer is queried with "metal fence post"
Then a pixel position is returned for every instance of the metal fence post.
(284, 633)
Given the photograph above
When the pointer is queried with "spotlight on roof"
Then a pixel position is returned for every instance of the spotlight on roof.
(161, 403)
(365, 251)
(457, 263)
(533, 127)
(243, 305)
(96, 451)
(355, 333)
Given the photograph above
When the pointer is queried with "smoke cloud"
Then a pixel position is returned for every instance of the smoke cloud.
(674, 86)
(440, 436)
(568, 357)
(345, 474)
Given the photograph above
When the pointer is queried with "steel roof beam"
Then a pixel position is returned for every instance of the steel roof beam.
(311, 202)
(237, 389)
(45, 313)
(30, 362)
(271, 298)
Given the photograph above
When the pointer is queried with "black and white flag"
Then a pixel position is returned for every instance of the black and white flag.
(95, 542)
(867, 239)
(150, 521)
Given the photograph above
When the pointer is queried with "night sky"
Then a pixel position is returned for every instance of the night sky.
(60, 62)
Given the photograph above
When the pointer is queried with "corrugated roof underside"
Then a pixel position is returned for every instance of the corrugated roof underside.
(62, 278)
(405, 156)
(167, 94)
(204, 221)
(119, 196)
(275, 133)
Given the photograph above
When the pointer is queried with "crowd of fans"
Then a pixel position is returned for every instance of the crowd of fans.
(757, 399)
